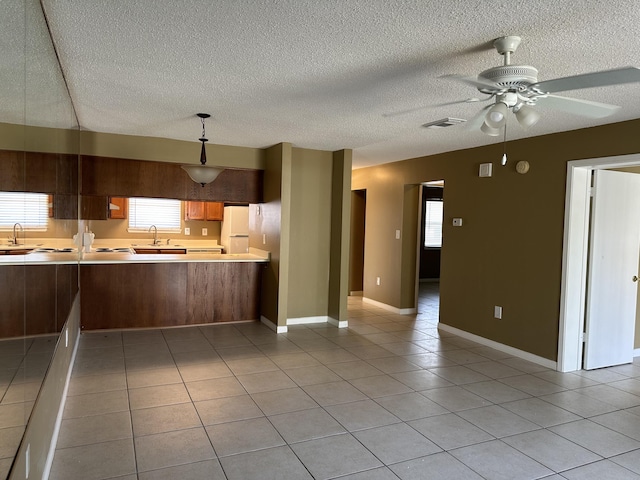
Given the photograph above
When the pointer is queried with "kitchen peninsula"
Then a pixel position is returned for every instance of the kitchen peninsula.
(128, 290)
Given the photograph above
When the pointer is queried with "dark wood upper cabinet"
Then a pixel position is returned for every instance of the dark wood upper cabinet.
(106, 176)
(94, 207)
(38, 172)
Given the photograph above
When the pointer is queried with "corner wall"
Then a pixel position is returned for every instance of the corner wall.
(508, 251)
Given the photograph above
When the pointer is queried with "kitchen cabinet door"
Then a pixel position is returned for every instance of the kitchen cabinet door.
(215, 211)
(94, 207)
(194, 211)
(121, 203)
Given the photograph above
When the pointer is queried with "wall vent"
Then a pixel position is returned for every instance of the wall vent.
(445, 122)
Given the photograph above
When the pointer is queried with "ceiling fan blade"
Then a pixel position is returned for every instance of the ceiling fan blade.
(589, 80)
(423, 107)
(474, 82)
(576, 106)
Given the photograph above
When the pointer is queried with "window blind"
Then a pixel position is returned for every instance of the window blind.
(31, 210)
(161, 212)
(433, 223)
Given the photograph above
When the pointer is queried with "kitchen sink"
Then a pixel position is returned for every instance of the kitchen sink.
(156, 245)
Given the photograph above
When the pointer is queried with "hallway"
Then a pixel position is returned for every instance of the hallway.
(390, 397)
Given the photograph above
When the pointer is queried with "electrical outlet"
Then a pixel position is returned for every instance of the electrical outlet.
(497, 312)
(204, 232)
(187, 231)
(397, 234)
(377, 280)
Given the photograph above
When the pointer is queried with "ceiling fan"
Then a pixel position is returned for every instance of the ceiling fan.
(516, 88)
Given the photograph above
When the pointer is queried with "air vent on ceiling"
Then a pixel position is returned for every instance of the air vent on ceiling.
(445, 122)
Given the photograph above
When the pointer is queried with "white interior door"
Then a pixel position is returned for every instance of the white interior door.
(613, 262)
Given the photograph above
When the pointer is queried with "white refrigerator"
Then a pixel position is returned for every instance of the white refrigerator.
(234, 232)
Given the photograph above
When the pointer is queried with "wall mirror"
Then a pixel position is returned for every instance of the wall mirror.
(38, 155)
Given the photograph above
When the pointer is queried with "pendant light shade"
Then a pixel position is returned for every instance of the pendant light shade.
(202, 174)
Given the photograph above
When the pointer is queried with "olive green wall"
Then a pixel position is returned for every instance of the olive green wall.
(167, 150)
(38, 139)
(340, 235)
(302, 221)
(508, 251)
(265, 232)
(310, 228)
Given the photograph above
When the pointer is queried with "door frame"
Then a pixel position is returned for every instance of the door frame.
(574, 255)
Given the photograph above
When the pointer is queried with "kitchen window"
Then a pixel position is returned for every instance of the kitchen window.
(30, 210)
(433, 224)
(161, 212)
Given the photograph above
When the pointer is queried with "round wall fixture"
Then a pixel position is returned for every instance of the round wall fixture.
(522, 167)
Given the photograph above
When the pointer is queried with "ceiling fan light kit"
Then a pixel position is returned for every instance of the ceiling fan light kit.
(516, 88)
(202, 173)
(492, 132)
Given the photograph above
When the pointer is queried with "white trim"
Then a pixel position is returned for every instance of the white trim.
(356, 293)
(400, 311)
(574, 256)
(306, 320)
(273, 326)
(338, 323)
(545, 362)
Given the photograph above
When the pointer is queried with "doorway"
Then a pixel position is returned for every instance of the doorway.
(356, 246)
(429, 248)
(573, 300)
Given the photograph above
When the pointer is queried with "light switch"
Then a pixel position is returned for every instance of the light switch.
(457, 222)
(497, 312)
(397, 234)
(187, 231)
(485, 170)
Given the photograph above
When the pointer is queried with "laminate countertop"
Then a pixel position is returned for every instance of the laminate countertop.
(35, 258)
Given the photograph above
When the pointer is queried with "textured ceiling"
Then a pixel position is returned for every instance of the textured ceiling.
(327, 74)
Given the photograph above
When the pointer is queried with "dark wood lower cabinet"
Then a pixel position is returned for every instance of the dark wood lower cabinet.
(145, 295)
(36, 299)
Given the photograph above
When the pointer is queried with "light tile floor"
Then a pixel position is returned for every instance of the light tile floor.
(390, 397)
(23, 364)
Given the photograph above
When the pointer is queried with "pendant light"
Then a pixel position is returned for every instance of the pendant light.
(202, 174)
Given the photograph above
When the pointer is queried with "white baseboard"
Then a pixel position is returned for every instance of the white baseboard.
(400, 311)
(545, 362)
(338, 323)
(273, 326)
(303, 321)
(306, 320)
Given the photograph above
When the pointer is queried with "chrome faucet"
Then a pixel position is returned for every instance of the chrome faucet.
(15, 237)
(155, 234)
